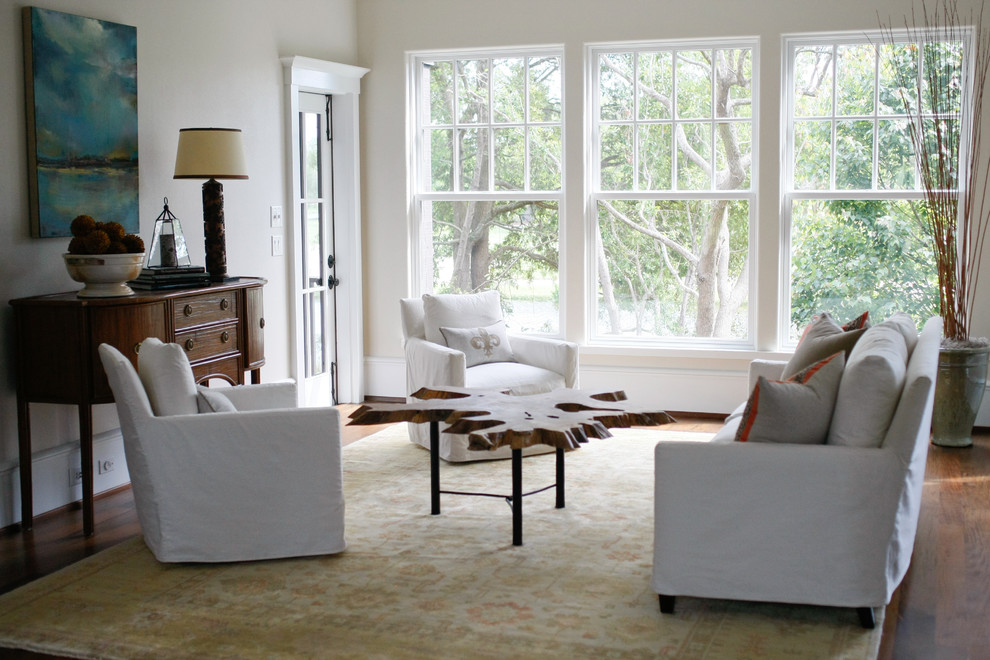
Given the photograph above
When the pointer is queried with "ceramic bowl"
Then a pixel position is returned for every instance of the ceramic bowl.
(104, 275)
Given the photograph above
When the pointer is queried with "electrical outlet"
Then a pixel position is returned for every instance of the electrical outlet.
(276, 216)
(75, 476)
(276, 246)
(105, 466)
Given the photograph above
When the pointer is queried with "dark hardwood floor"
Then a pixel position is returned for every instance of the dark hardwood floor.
(941, 610)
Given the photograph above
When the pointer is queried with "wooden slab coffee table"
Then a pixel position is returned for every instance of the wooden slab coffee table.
(563, 419)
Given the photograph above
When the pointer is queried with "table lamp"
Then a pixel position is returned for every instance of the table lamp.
(212, 153)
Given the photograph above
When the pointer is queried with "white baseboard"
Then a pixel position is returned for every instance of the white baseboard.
(50, 476)
(385, 377)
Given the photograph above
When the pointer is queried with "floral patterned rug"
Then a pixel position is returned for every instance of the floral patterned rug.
(412, 585)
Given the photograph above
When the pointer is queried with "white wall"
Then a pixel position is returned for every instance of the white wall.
(387, 29)
(200, 63)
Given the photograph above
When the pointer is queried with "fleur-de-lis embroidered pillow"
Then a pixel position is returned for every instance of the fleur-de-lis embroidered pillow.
(480, 345)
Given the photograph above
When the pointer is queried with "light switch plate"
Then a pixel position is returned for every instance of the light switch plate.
(276, 246)
(276, 216)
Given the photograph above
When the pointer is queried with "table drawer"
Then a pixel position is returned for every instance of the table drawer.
(229, 369)
(209, 342)
(211, 307)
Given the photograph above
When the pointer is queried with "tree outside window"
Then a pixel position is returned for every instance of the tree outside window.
(859, 239)
(489, 190)
(674, 134)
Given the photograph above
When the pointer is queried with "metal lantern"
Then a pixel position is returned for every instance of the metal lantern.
(168, 245)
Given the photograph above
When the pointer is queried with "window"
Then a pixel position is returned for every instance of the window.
(672, 189)
(853, 207)
(488, 154)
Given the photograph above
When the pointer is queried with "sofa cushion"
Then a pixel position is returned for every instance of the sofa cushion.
(823, 337)
(870, 387)
(211, 401)
(514, 377)
(459, 310)
(480, 345)
(167, 378)
(796, 410)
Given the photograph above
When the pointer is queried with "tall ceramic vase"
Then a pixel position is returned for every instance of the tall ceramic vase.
(962, 377)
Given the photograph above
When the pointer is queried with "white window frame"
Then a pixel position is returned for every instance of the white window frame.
(594, 193)
(789, 194)
(417, 126)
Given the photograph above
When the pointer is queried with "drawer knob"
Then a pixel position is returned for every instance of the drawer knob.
(137, 347)
(224, 337)
(224, 304)
(189, 344)
(187, 310)
(261, 323)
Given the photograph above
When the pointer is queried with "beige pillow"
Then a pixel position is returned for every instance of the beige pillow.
(459, 310)
(870, 388)
(480, 345)
(167, 378)
(797, 410)
(823, 337)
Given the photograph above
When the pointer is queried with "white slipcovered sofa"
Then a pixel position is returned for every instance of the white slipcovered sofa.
(826, 524)
(231, 474)
(440, 353)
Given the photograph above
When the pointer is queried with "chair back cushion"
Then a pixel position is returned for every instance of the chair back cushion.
(459, 310)
(411, 311)
(168, 378)
(128, 392)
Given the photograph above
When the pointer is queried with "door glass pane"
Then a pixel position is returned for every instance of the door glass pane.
(313, 244)
(315, 332)
(309, 133)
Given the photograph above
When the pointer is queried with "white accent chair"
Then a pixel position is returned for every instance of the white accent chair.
(815, 524)
(260, 481)
(541, 364)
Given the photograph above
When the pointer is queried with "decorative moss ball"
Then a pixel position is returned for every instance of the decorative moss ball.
(96, 242)
(82, 225)
(114, 230)
(133, 243)
(77, 245)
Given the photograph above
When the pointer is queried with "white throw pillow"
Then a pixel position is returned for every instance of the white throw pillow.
(480, 345)
(797, 410)
(212, 401)
(459, 310)
(870, 388)
(167, 378)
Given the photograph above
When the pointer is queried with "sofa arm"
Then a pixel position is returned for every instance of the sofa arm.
(769, 369)
(774, 522)
(433, 365)
(555, 355)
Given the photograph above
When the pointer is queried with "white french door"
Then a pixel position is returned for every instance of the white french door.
(315, 276)
(325, 217)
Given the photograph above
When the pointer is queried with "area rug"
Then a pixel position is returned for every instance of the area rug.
(412, 585)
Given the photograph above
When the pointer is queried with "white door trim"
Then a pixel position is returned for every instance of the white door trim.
(343, 82)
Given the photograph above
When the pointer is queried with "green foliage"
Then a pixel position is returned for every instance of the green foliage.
(851, 256)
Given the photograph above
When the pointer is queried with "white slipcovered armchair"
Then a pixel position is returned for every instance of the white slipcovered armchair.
(820, 524)
(250, 477)
(429, 328)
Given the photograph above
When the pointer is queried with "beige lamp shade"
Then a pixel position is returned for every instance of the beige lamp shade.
(210, 153)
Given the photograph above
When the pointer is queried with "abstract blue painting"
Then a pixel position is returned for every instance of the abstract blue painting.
(81, 88)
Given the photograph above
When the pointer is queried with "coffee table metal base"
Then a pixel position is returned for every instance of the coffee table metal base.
(515, 500)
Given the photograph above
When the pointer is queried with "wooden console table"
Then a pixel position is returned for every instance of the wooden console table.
(221, 327)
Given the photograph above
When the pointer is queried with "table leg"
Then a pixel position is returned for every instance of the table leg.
(24, 458)
(560, 478)
(434, 468)
(517, 497)
(86, 458)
